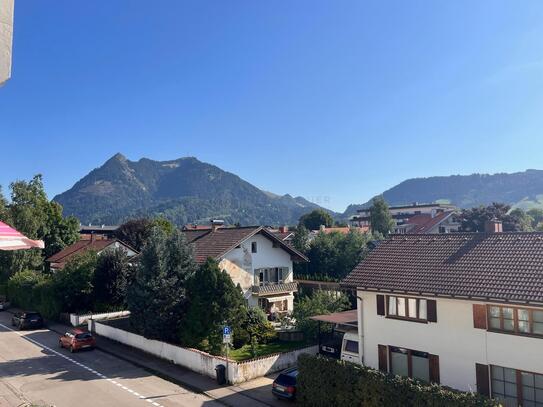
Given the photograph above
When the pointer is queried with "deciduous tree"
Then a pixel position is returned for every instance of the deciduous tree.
(314, 219)
(380, 217)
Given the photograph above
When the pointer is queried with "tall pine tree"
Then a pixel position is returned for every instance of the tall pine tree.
(157, 296)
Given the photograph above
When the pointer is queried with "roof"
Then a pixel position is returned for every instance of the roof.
(487, 266)
(216, 243)
(345, 317)
(424, 222)
(283, 235)
(82, 246)
(98, 228)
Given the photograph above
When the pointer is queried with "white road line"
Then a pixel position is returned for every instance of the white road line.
(148, 400)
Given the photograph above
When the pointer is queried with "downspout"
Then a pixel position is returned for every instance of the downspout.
(360, 329)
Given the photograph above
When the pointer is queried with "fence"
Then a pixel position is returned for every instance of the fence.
(199, 361)
(77, 320)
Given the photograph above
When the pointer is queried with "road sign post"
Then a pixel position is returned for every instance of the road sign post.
(226, 340)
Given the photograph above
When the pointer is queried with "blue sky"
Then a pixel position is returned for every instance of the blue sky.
(337, 100)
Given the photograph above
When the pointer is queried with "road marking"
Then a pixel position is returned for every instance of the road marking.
(102, 376)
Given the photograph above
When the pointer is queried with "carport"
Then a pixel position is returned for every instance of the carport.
(330, 342)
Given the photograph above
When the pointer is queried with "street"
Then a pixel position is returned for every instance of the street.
(33, 368)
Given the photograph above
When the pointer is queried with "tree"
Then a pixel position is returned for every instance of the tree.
(214, 302)
(314, 219)
(380, 219)
(336, 254)
(300, 241)
(136, 232)
(111, 277)
(34, 215)
(157, 297)
(474, 219)
(254, 328)
(73, 283)
(321, 302)
(537, 218)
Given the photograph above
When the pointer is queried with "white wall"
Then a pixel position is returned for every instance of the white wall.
(202, 362)
(6, 38)
(76, 319)
(453, 338)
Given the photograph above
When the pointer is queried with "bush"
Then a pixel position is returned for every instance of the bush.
(20, 288)
(254, 327)
(329, 382)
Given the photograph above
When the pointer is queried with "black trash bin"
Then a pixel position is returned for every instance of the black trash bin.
(221, 374)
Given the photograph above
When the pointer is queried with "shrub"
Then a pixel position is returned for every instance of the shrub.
(20, 287)
(254, 326)
(329, 382)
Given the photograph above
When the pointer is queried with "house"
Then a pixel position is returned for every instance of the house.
(464, 310)
(6, 39)
(103, 230)
(94, 243)
(415, 218)
(256, 259)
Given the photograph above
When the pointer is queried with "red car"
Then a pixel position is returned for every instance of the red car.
(77, 339)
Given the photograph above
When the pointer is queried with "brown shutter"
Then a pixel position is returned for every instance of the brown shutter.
(434, 368)
(481, 374)
(479, 316)
(383, 358)
(380, 304)
(431, 311)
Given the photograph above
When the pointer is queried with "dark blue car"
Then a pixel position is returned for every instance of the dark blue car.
(284, 386)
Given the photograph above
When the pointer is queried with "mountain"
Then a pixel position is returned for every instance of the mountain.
(183, 190)
(520, 189)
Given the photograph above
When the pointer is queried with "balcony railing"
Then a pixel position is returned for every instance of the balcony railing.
(274, 288)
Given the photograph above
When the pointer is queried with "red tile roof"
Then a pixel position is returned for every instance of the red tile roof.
(490, 266)
(80, 247)
(215, 244)
(424, 222)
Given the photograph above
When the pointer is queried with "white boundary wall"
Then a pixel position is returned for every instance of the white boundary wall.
(77, 320)
(202, 362)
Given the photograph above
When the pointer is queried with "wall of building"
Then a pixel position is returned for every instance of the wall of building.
(202, 362)
(6, 38)
(453, 338)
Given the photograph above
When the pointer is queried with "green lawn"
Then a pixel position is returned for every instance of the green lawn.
(244, 352)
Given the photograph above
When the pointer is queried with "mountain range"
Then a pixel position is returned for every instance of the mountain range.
(187, 190)
(183, 190)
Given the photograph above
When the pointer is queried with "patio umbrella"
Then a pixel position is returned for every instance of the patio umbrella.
(11, 239)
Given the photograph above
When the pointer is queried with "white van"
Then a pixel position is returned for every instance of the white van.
(349, 347)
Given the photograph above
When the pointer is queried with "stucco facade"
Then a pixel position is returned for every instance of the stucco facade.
(6, 39)
(241, 263)
(453, 338)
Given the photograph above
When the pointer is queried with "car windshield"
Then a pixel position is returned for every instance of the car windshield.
(32, 315)
(84, 335)
(286, 379)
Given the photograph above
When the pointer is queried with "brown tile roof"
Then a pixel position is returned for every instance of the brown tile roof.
(215, 244)
(275, 288)
(80, 247)
(493, 266)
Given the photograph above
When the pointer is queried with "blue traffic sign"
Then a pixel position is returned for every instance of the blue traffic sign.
(226, 330)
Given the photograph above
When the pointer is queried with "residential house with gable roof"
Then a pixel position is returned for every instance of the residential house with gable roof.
(463, 309)
(256, 259)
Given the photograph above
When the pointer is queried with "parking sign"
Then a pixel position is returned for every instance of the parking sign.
(226, 330)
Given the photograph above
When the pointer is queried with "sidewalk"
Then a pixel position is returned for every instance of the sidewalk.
(255, 393)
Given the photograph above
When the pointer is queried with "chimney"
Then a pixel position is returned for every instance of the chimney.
(283, 229)
(216, 224)
(493, 226)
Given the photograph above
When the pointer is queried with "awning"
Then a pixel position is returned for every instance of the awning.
(11, 239)
(342, 318)
(278, 298)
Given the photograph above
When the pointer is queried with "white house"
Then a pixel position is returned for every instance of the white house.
(464, 310)
(256, 259)
(6, 39)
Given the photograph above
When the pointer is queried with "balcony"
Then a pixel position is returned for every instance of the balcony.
(274, 288)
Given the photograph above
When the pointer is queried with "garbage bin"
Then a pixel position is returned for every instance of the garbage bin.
(221, 374)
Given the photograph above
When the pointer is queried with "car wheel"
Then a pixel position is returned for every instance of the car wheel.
(12, 322)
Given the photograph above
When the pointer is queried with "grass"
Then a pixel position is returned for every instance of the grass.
(264, 349)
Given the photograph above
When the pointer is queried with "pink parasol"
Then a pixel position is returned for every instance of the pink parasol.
(11, 239)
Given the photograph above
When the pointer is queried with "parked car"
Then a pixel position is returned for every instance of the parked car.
(77, 339)
(27, 319)
(284, 386)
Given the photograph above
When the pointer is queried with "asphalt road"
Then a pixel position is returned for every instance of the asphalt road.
(33, 368)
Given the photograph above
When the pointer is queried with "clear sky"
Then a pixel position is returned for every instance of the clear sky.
(337, 100)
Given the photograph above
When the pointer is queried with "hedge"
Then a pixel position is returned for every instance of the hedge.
(324, 382)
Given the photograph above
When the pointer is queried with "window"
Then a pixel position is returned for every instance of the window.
(351, 346)
(411, 363)
(253, 247)
(271, 275)
(515, 387)
(524, 321)
(410, 308)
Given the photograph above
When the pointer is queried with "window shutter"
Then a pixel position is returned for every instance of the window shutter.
(434, 368)
(431, 310)
(479, 316)
(481, 374)
(383, 358)
(380, 304)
